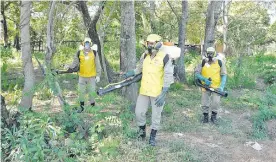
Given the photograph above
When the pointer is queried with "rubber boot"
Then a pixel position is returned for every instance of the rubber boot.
(142, 132)
(152, 141)
(205, 118)
(81, 106)
(214, 117)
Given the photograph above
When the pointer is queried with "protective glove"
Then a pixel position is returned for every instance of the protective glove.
(97, 79)
(160, 100)
(207, 81)
(128, 74)
(222, 82)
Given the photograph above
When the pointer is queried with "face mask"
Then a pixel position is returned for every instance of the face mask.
(210, 56)
(150, 49)
(87, 45)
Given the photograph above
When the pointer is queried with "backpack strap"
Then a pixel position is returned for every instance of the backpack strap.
(220, 63)
(78, 53)
(166, 59)
(203, 62)
(95, 52)
(145, 55)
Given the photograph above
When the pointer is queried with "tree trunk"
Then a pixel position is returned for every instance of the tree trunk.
(152, 16)
(4, 113)
(50, 47)
(225, 25)
(127, 46)
(92, 31)
(181, 41)
(102, 35)
(50, 51)
(213, 13)
(16, 42)
(5, 27)
(27, 94)
(102, 31)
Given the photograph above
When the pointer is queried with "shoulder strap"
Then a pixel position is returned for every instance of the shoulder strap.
(145, 55)
(203, 62)
(95, 52)
(78, 54)
(166, 59)
(220, 63)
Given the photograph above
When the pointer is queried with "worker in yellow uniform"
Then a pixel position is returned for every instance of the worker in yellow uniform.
(212, 72)
(157, 75)
(86, 62)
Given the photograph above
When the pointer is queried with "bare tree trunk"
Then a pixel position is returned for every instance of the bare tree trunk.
(92, 31)
(4, 22)
(181, 41)
(50, 51)
(152, 16)
(4, 113)
(127, 46)
(213, 13)
(101, 37)
(225, 24)
(16, 41)
(50, 47)
(27, 94)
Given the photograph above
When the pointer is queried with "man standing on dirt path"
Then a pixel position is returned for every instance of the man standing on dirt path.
(87, 63)
(212, 72)
(157, 75)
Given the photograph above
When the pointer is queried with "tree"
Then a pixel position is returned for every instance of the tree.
(27, 94)
(50, 47)
(247, 27)
(212, 17)
(102, 34)
(152, 16)
(181, 41)
(127, 46)
(226, 5)
(4, 22)
(182, 23)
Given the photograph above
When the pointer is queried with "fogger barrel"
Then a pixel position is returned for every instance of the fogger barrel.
(112, 87)
(221, 93)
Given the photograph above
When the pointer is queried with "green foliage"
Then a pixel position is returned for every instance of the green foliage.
(176, 86)
(6, 53)
(167, 110)
(125, 117)
(31, 141)
(245, 29)
(44, 94)
(182, 152)
(267, 111)
(63, 56)
(267, 67)
(239, 75)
